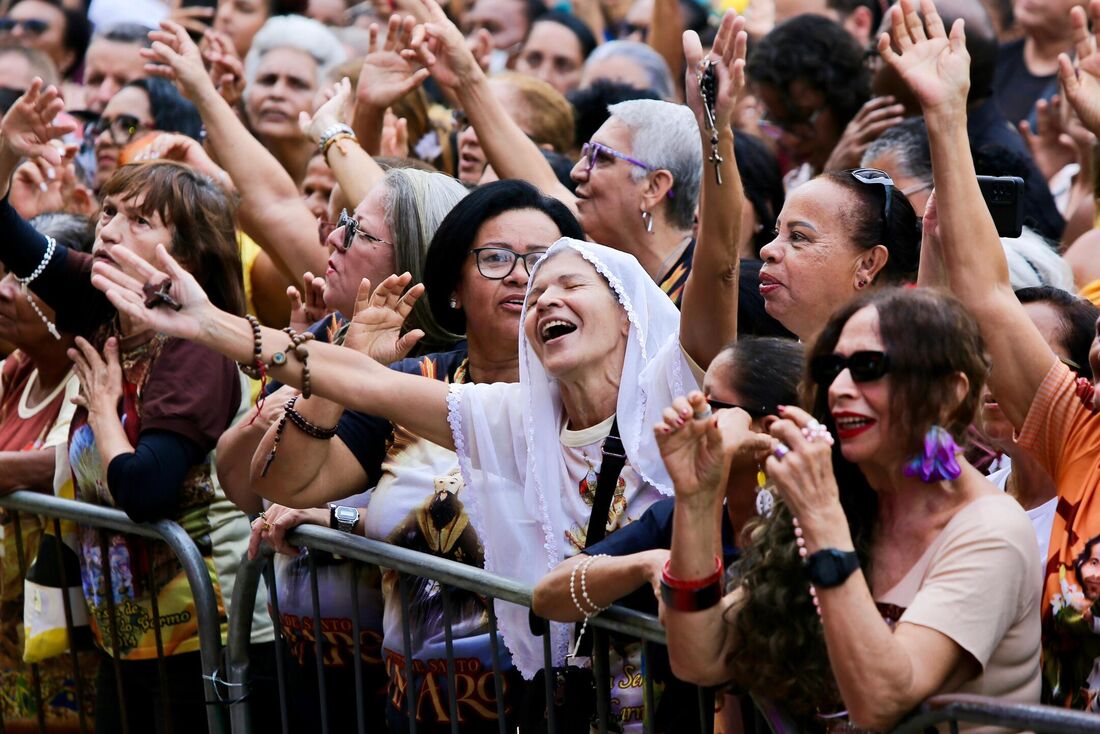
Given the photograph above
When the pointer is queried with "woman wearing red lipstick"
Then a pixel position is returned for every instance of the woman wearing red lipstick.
(893, 563)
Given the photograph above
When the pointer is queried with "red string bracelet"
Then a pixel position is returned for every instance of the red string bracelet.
(692, 584)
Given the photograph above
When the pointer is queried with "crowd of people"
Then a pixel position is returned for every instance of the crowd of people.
(774, 318)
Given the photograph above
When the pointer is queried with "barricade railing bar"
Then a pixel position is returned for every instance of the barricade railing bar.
(185, 551)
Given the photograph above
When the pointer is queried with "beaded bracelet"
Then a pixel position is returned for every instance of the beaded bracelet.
(305, 425)
(297, 346)
(278, 435)
(257, 370)
(595, 608)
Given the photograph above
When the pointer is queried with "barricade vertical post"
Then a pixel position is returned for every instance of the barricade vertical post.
(112, 624)
(318, 639)
(448, 638)
(410, 677)
(277, 621)
(23, 563)
(357, 651)
(602, 674)
(162, 672)
(70, 629)
(498, 679)
(549, 677)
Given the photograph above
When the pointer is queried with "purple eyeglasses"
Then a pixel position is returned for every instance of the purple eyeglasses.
(593, 150)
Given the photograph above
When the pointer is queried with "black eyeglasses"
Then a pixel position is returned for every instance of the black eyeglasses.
(875, 177)
(756, 413)
(352, 229)
(497, 263)
(30, 26)
(863, 366)
(123, 128)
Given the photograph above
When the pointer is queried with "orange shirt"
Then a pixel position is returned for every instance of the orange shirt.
(1062, 431)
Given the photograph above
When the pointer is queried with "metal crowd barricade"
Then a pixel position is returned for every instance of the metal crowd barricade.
(185, 550)
(450, 575)
(950, 710)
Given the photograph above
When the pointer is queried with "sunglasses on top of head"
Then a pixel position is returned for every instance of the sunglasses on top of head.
(865, 366)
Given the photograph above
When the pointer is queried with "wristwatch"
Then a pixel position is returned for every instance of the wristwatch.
(831, 567)
(343, 518)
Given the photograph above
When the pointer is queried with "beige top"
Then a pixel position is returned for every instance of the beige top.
(976, 584)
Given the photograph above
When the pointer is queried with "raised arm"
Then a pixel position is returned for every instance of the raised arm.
(355, 170)
(271, 209)
(28, 128)
(509, 151)
(343, 375)
(709, 309)
(936, 67)
(385, 77)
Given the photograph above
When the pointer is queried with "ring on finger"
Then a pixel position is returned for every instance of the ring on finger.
(781, 450)
(701, 414)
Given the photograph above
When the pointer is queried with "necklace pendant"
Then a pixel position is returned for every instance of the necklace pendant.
(765, 502)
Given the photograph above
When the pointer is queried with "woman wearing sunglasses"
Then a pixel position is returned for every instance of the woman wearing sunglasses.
(138, 108)
(885, 543)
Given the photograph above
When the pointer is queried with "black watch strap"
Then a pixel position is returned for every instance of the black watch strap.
(830, 567)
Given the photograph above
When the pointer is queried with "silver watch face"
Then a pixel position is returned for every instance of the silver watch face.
(347, 514)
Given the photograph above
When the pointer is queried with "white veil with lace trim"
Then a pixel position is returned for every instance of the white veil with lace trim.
(508, 441)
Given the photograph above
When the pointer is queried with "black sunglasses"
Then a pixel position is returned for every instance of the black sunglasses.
(863, 366)
(756, 413)
(875, 177)
(31, 26)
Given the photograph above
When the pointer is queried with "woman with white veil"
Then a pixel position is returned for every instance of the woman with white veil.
(601, 344)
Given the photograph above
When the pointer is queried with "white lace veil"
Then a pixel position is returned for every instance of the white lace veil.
(508, 441)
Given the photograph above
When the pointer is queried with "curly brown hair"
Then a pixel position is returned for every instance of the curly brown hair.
(778, 640)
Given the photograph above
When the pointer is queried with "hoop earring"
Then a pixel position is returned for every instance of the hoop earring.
(647, 219)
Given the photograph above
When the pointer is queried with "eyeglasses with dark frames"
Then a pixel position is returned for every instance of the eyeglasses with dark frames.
(755, 412)
(352, 229)
(593, 151)
(497, 263)
(876, 177)
(123, 128)
(864, 366)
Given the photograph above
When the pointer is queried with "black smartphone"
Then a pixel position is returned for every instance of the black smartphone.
(1004, 196)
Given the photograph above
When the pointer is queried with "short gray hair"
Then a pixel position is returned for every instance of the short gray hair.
(297, 32)
(908, 141)
(415, 204)
(132, 33)
(1032, 262)
(652, 63)
(665, 135)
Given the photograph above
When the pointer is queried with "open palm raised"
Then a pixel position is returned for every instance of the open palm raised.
(28, 127)
(935, 65)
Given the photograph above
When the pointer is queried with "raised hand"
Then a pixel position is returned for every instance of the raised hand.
(179, 147)
(174, 56)
(395, 136)
(100, 377)
(304, 313)
(691, 446)
(1081, 87)
(38, 186)
(441, 47)
(728, 55)
(124, 281)
(1050, 143)
(328, 114)
(388, 74)
(935, 65)
(375, 329)
(194, 18)
(28, 127)
(876, 116)
(804, 474)
(226, 69)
